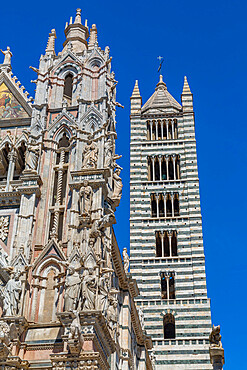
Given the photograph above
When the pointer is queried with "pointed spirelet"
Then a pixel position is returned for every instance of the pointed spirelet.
(135, 100)
(161, 83)
(186, 88)
(50, 48)
(187, 97)
(93, 40)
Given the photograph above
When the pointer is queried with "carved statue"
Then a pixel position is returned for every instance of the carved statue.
(112, 315)
(86, 194)
(126, 260)
(141, 317)
(7, 56)
(76, 330)
(117, 184)
(72, 289)
(90, 156)
(4, 258)
(103, 287)
(7, 332)
(11, 294)
(89, 286)
(32, 156)
(108, 152)
(215, 337)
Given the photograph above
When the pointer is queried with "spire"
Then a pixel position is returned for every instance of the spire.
(135, 100)
(50, 48)
(187, 97)
(93, 40)
(186, 88)
(136, 91)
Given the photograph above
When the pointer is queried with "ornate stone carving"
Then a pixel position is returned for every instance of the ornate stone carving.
(75, 338)
(4, 227)
(7, 56)
(117, 184)
(89, 287)
(72, 289)
(109, 146)
(141, 317)
(32, 156)
(10, 294)
(112, 315)
(126, 260)
(103, 291)
(86, 194)
(90, 156)
(215, 337)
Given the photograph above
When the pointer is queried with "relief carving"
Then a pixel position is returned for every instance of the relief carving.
(90, 156)
(4, 227)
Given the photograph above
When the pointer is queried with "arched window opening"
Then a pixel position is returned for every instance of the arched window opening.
(169, 130)
(161, 206)
(167, 285)
(20, 161)
(153, 129)
(156, 169)
(153, 206)
(175, 129)
(150, 169)
(163, 170)
(148, 131)
(158, 245)
(4, 163)
(159, 131)
(166, 245)
(169, 326)
(163, 286)
(176, 205)
(168, 206)
(174, 244)
(68, 85)
(170, 169)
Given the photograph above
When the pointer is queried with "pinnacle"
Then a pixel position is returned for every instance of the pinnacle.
(161, 83)
(136, 91)
(186, 88)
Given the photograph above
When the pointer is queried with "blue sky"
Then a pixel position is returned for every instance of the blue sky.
(206, 41)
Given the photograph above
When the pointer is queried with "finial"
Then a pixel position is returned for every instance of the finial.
(50, 48)
(186, 88)
(71, 20)
(78, 16)
(85, 22)
(93, 37)
(160, 83)
(7, 56)
(66, 25)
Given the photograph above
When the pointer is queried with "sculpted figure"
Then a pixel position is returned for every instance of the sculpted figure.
(86, 194)
(117, 184)
(103, 292)
(7, 56)
(32, 156)
(11, 294)
(126, 260)
(76, 330)
(215, 337)
(141, 317)
(89, 286)
(108, 152)
(112, 315)
(72, 289)
(90, 156)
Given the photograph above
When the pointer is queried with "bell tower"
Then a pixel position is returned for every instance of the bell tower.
(166, 244)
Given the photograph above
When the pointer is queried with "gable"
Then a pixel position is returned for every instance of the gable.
(9, 106)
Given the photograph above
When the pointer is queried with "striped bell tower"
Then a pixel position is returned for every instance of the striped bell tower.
(166, 244)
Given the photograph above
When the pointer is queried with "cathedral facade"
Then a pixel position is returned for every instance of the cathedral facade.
(67, 298)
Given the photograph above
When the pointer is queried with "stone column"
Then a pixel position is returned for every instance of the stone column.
(165, 196)
(172, 121)
(160, 167)
(162, 243)
(174, 165)
(153, 168)
(172, 200)
(170, 242)
(157, 204)
(167, 167)
(167, 129)
(217, 357)
(156, 130)
(162, 129)
(151, 130)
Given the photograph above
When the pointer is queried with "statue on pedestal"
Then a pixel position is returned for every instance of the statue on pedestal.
(72, 289)
(117, 184)
(32, 156)
(7, 56)
(10, 294)
(89, 286)
(112, 315)
(86, 194)
(75, 339)
(126, 260)
(108, 152)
